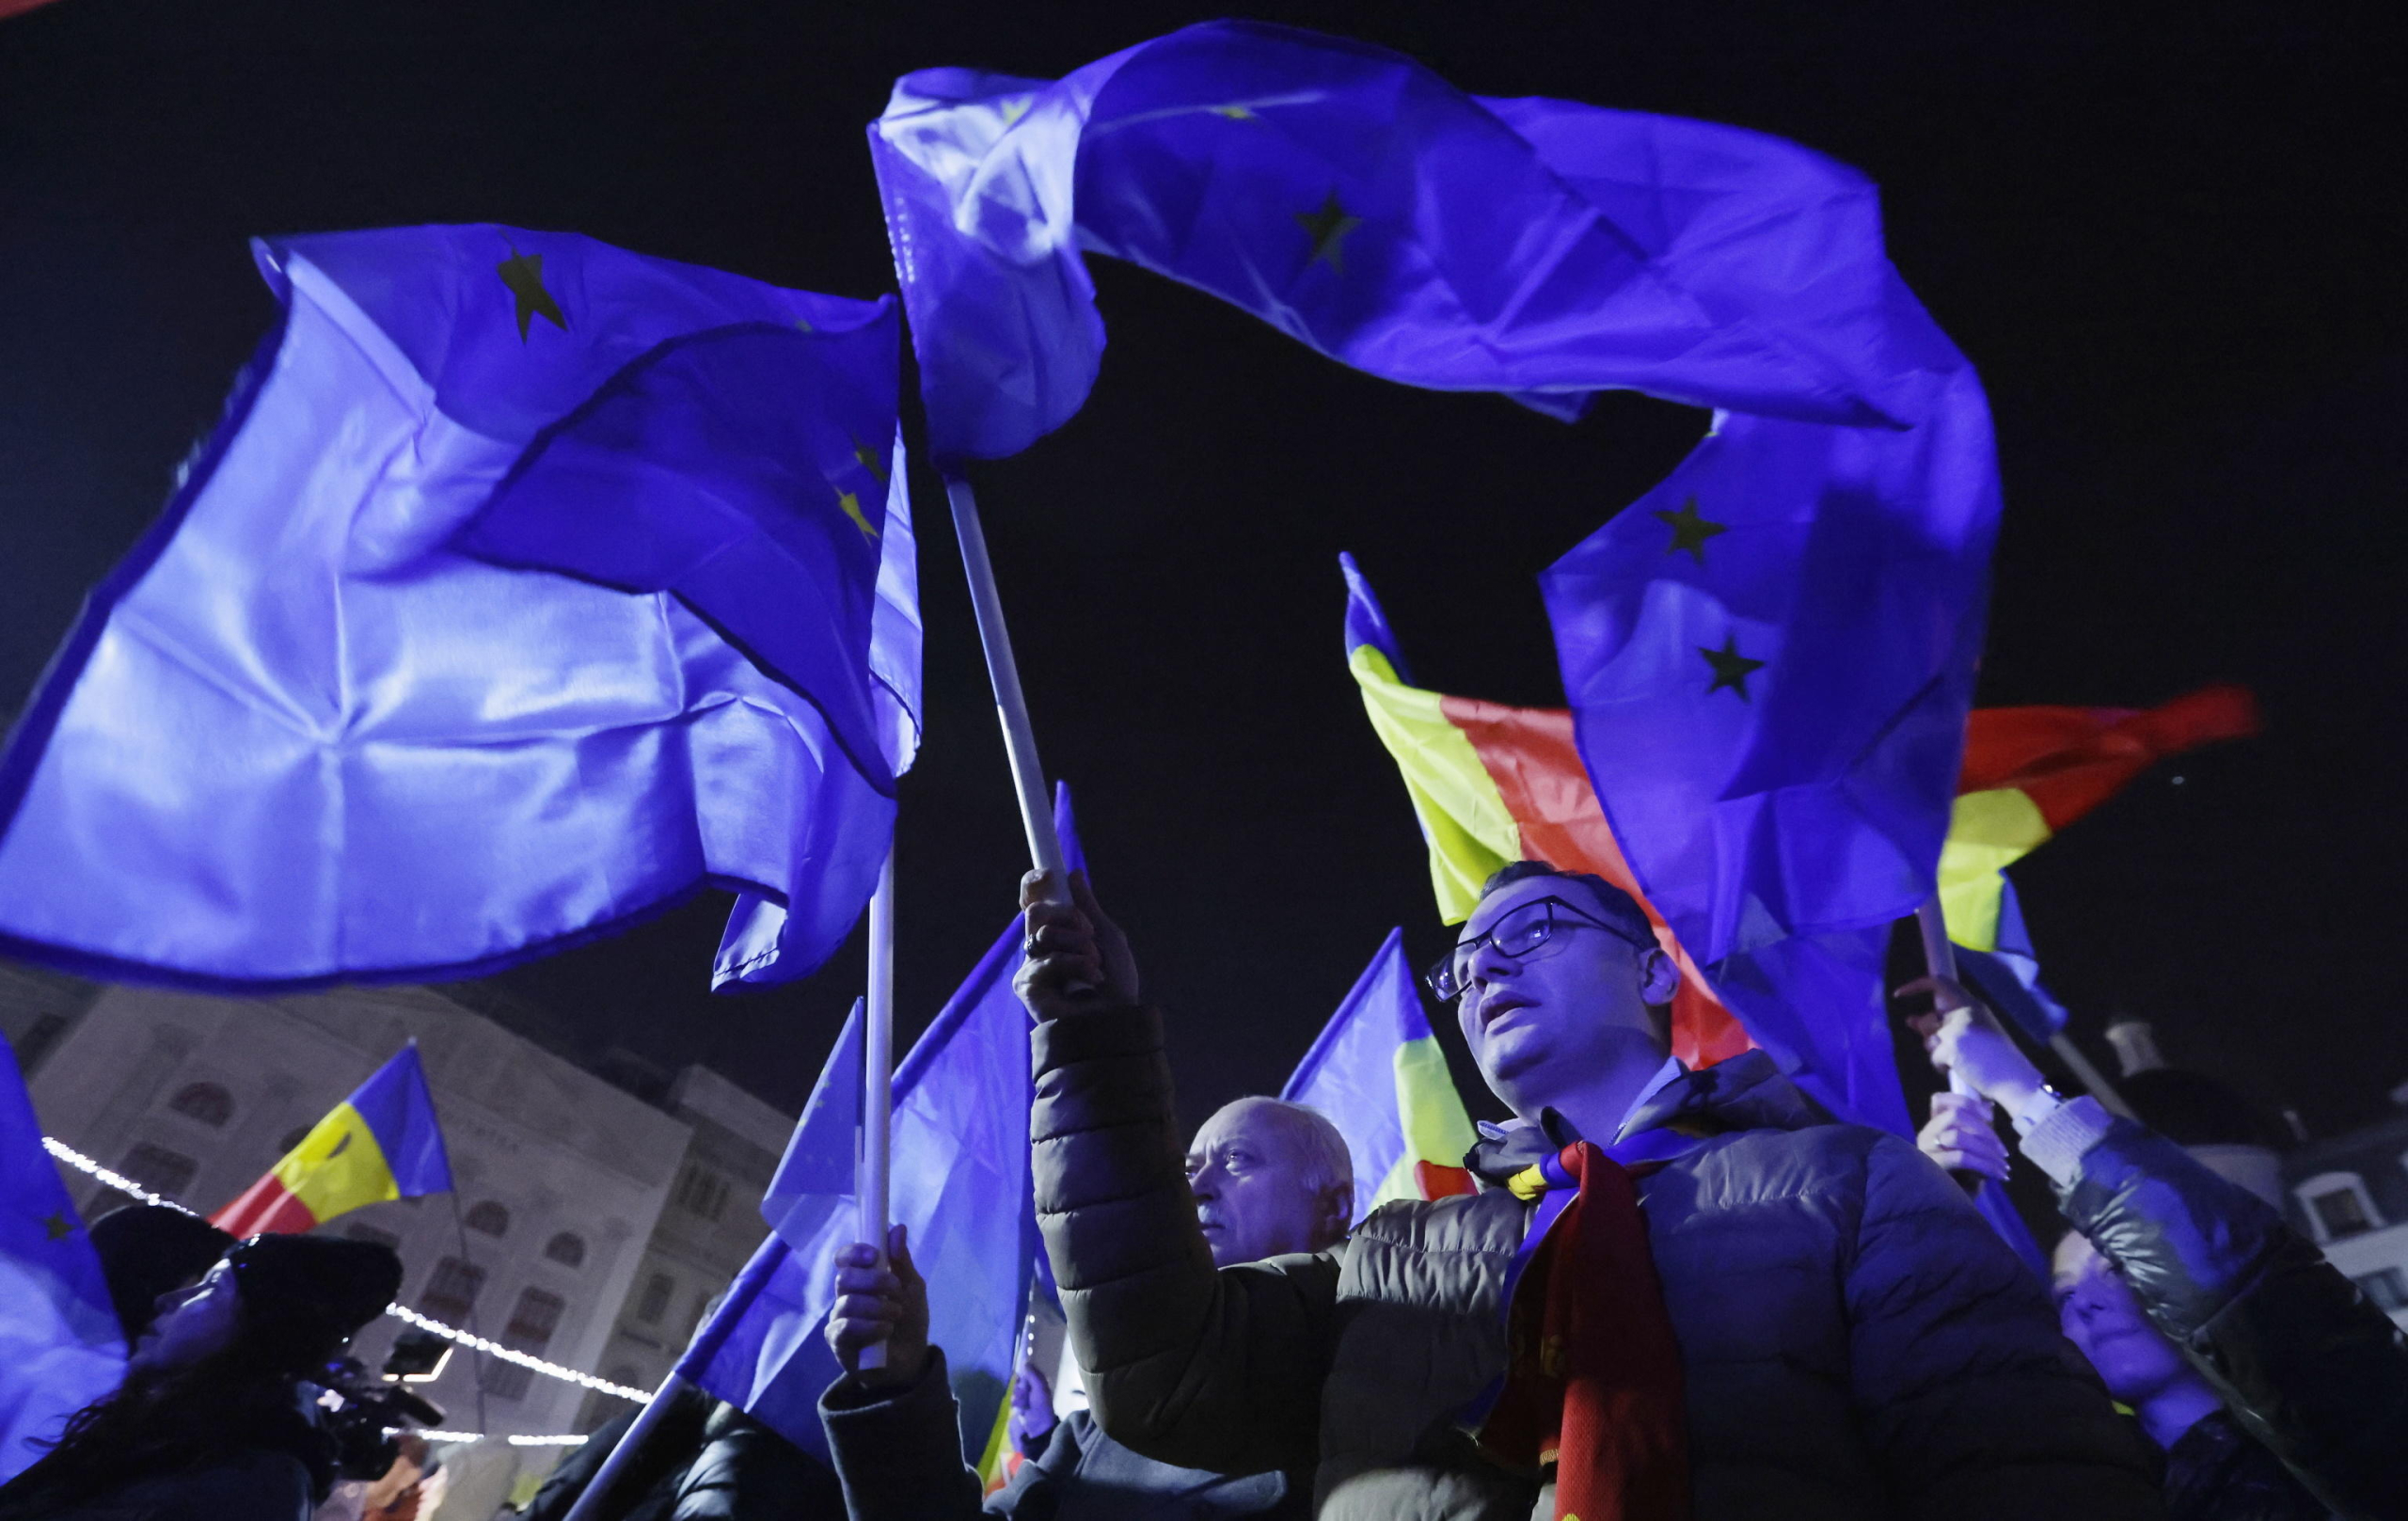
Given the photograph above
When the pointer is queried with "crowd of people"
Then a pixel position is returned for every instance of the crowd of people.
(1674, 1293)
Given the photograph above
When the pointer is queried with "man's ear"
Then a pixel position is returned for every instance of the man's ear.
(1337, 1213)
(1658, 978)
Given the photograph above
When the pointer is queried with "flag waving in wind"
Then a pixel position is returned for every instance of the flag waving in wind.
(960, 1183)
(1491, 785)
(527, 585)
(381, 1142)
(1769, 657)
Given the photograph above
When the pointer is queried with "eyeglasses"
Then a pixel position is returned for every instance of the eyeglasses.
(1522, 929)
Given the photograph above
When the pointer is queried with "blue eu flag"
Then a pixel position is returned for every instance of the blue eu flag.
(527, 585)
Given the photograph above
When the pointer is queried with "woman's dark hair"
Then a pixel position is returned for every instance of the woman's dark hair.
(300, 1297)
(169, 1421)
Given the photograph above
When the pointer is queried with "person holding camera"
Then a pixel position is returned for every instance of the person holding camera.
(215, 1420)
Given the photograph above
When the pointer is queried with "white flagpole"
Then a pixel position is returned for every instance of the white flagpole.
(1002, 673)
(878, 1077)
(594, 1500)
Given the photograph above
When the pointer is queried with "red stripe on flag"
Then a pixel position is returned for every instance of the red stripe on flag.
(267, 1208)
(1530, 754)
(2069, 760)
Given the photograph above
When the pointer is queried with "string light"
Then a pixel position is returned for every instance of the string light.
(123, 1185)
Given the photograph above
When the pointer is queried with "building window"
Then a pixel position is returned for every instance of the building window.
(567, 1249)
(165, 1173)
(2340, 1211)
(703, 1192)
(204, 1102)
(372, 1235)
(2387, 1288)
(654, 1302)
(490, 1218)
(532, 1321)
(451, 1295)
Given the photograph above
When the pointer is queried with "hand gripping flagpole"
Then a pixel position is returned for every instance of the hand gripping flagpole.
(878, 1079)
(1002, 673)
(1940, 958)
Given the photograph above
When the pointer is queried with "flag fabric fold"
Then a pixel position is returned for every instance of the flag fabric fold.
(61, 1347)
(959, 1182)
(1376, 1072)
(527, 585)
(381, 1142)
(1362, 205)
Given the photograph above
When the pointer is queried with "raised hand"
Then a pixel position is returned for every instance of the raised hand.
(1965, 1038)
(880, 1304)
(1077, 959)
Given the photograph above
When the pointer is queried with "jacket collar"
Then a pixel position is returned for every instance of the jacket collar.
(1746, 1093)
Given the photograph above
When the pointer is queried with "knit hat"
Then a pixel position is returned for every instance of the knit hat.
(148, 1249)
(303, 1297)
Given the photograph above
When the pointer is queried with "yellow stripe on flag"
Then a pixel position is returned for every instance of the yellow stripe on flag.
(1987, 833)
(338, 1166)
(1436, 1128)
(991, 1463)
(1463, 816)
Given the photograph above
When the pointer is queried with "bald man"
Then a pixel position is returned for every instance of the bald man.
(1269, 1179)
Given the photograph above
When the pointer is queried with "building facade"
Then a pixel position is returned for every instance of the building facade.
(574, 1197)
(707, 1229)
(2350, 1193)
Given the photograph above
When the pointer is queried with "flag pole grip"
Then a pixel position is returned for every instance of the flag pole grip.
(1940, 960)
(593, 1502)
(1002, 673)
(878, 1079)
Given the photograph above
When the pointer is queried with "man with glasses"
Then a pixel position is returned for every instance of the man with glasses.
(1676, 1293)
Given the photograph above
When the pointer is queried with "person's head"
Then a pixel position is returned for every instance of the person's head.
(146, 1250)
(1270, 1177)
(2104, 1319)
(1557, 974)
(285, 1304)
(216, 1370)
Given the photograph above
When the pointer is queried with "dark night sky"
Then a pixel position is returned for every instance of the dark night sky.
(2169, 236)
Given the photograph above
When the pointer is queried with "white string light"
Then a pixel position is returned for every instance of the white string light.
(564, 1439)
(511, 1355)
(123, 1185)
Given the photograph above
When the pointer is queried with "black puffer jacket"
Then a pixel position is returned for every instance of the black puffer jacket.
(1858, 1344)
(706, 1461)
(2302, 1359)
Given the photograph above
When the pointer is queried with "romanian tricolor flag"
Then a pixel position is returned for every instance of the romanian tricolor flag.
(381, 1142)
(1378, 1075)
(2030, 771)
(1492, 784)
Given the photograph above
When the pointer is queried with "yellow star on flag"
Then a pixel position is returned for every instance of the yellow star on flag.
(57, 1226)
(1235, 113)
(524, 275)
(870, 461)
(1689, 530)
(852, 506)
(1731, 668)
(1328, 227)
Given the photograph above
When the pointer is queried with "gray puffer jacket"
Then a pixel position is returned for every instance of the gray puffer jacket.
(1857, 1342)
